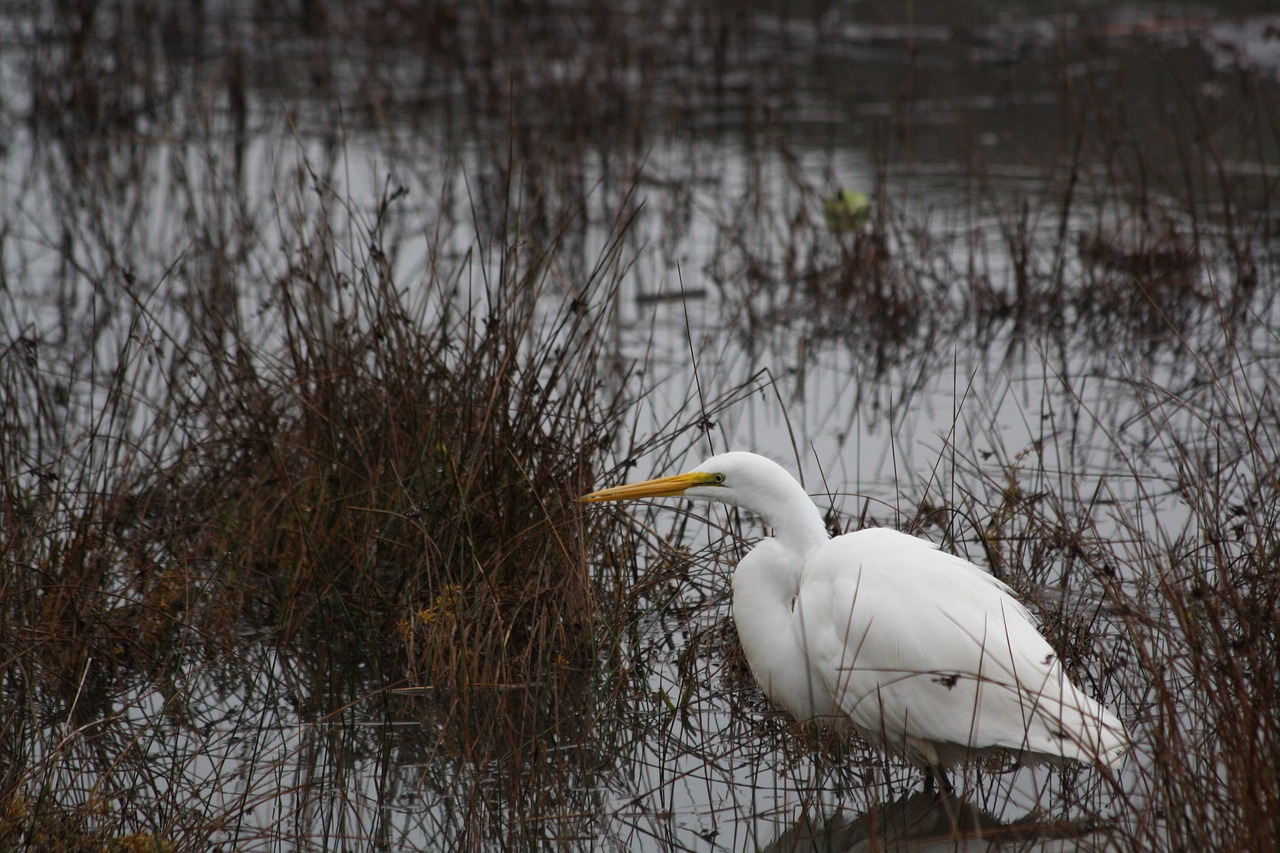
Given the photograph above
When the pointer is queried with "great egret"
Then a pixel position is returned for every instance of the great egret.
(923, 652)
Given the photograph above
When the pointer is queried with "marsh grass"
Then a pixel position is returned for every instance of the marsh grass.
(389, 480)
(1163, 593)
(290, 554)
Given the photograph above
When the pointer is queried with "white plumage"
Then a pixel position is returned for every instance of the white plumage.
(922, 651)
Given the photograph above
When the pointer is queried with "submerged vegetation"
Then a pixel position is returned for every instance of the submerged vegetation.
(315, 322)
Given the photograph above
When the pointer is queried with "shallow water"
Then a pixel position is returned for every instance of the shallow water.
(735, 326)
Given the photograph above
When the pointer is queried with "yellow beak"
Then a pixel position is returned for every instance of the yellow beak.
(663, 487)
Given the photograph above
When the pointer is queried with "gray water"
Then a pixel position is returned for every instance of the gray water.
(728, 316)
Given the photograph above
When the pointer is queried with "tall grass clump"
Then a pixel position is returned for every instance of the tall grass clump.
(396, 459)
(368, 479)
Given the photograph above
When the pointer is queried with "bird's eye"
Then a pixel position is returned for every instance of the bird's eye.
(719, 478)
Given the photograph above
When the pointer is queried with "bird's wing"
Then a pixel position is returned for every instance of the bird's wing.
(921, 647)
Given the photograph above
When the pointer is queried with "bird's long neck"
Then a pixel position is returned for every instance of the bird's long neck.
(796, 522)
(765, 585)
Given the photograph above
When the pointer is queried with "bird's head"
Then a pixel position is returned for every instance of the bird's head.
(747, 480)
(742, 479)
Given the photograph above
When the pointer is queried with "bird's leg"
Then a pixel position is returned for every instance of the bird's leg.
(935, 774)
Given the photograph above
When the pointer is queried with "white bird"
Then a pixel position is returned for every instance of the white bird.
(923, 652)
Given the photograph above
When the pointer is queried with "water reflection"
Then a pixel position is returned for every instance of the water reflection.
(927, 822)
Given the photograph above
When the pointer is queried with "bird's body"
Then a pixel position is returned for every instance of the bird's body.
(921, 651)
